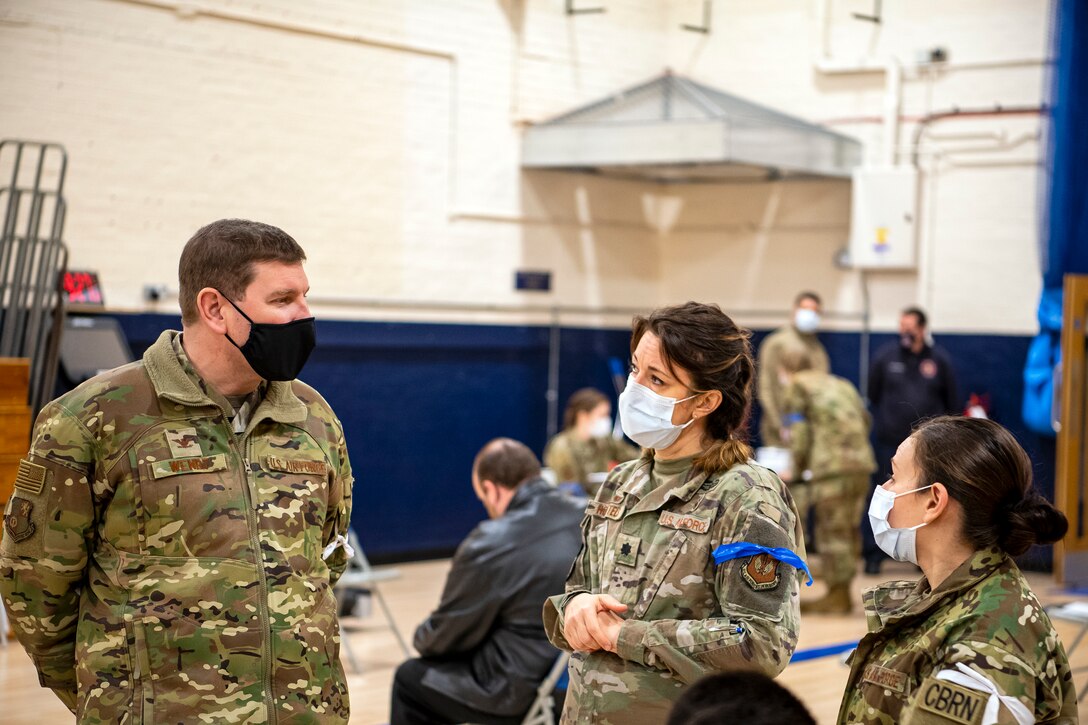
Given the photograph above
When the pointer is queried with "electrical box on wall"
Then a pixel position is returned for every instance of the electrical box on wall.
(883, 218)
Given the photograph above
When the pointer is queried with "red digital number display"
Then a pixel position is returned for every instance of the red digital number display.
(82, 288)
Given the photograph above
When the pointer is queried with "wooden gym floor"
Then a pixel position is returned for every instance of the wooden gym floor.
(817, 682)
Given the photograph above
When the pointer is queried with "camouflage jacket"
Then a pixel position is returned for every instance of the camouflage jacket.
(159, 567)
(828, 426)
(574, 460)
(770, 389)
(982, 624)
(648, 540)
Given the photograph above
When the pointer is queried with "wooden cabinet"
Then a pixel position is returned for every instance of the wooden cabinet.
(15, 420)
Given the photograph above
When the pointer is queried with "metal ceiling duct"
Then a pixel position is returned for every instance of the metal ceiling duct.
(672, 129)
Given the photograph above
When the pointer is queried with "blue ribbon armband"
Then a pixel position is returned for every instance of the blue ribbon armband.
(741, 549)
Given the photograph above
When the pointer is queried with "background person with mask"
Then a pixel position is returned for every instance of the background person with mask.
(586, 445)
(828, 432)
(968, 643)
(801, 332)
(175, 530)
(647, 610)
(909, 380)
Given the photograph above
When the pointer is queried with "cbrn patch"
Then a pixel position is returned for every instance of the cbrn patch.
(952, 702)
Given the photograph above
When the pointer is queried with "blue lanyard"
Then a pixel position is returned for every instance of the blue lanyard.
(741, 549)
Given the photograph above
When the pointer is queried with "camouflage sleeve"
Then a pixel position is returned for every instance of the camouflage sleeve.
(767, 382)
(992, 671)
(579, 581)
(338, 520)
(48, 524)
(758, 597)
(559, 457)
(794, 418)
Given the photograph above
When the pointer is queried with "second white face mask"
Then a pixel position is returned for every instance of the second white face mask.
(899, 544)
(600, 427)
(646, 417)
(806, 320)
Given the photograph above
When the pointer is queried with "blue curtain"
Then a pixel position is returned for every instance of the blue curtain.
(1065, 200)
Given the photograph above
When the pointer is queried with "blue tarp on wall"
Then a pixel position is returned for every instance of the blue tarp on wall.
(1064, 217)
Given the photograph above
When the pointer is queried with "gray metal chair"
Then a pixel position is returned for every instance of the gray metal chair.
(360, 575)
(542, 711)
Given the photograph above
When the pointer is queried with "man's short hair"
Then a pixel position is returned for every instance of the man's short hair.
(917, 312)
(221, 255)
(751, 698)
(506, 462)
(807, 295)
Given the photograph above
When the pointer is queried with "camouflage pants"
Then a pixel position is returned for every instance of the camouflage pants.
(837, 501)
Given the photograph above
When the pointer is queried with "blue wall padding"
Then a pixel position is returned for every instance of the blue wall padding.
(418, 400)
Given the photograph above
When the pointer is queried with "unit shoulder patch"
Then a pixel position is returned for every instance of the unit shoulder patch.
(17, 524)
(30, 477)
(760, 572)
(951, 702)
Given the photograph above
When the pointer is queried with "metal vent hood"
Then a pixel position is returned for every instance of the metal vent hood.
(672, 129)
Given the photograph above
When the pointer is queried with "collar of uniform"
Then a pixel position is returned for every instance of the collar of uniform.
(174, 378)
(900, 600)
(654, 497)
(167, 364)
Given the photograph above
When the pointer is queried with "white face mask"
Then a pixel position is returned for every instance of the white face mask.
(646, 417)
(899, 544)
(600, 427)
(806, 320)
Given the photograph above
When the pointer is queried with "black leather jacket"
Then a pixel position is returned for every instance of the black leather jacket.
(487, 637)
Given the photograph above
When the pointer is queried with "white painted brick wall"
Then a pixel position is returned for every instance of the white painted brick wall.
(392, 152)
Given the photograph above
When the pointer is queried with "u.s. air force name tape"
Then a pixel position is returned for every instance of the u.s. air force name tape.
(741, 549)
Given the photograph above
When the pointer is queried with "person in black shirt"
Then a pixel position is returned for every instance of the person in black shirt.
(909, 380)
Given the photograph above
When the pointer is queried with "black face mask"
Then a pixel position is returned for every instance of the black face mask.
(277, 352)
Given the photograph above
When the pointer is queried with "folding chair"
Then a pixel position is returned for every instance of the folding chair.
(542, 711)
(3, 626)
(1077, 613)
(358, 575)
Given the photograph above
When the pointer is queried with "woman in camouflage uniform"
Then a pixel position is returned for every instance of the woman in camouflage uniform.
(585, 446)
(969, 642)
(646, 610)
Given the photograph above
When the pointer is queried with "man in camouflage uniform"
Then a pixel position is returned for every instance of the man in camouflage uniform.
(801, 332)
(178, 523)
(648, 541)
(828, 434)
(981, 639)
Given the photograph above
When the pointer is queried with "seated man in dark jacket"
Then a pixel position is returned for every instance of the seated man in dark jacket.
(484, 651)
